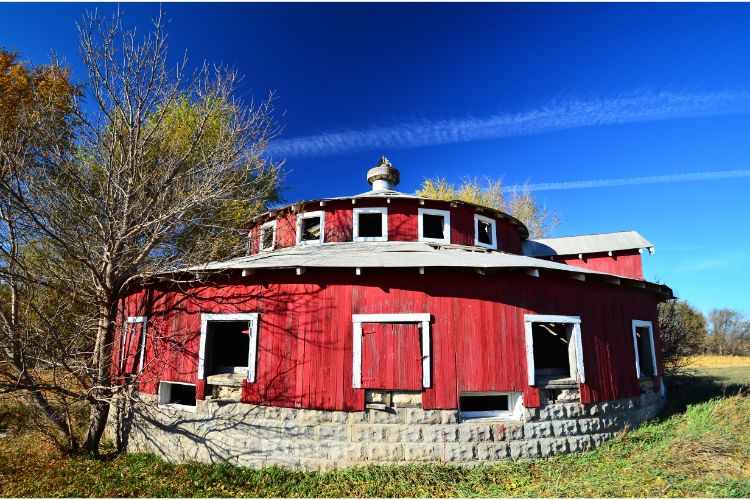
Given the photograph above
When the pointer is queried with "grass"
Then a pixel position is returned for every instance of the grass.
(700, 447)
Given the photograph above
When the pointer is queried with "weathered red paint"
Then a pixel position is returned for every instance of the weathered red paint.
(477, 331)
(391, 356)
(626, 263)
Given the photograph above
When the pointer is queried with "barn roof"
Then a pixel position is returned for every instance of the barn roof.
(586, 244)
(405, 255)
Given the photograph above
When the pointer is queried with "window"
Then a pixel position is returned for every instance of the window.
(268, 236)
(490, 405)
(553, 349)
(370, 224)
(177, 395)
(228, 344)
(434, 225)
(310, 228)
(133, 345)
(484, 232)
(643, 345)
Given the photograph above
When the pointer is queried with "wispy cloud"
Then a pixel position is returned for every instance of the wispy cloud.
(631, 181)
(569, 114)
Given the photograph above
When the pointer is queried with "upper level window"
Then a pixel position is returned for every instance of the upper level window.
(434, 225)
(484, 232)
(310, 228)
(370, 224)
(553, 349)
(268, 236)
(643, 345)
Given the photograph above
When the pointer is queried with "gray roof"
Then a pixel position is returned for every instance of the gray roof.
(586, 244)
(393, 254)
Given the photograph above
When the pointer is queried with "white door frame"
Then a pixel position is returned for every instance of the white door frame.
(637, 323)
(252, 351)
(128, 334)
(357, 319)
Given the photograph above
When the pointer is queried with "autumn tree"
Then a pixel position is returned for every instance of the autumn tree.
(168, 166)
(521, 204)
(682, 330)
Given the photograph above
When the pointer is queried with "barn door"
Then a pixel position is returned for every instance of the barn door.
(132, 347)
(391, 356)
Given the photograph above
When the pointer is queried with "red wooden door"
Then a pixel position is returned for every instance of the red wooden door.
(132, 346)
(391, 356)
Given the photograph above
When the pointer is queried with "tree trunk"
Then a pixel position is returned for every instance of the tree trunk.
(102, 392)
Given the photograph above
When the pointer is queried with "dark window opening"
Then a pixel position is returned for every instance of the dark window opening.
(554, 355)
(484, 232)
(180, 394)
(266, 237)
(310, 230)
(227, 347)
(488, 403)
(645, 358)
(370, 225)
(433, 226)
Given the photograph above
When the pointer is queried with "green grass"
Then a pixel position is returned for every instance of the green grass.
(700, 448)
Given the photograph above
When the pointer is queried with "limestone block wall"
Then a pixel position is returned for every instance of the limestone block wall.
(260, 436)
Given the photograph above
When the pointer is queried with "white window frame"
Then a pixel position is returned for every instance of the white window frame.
(128, 333)
(530, 319)
(357, 319)
(252, 354)
(446, 225)
(310, 215)
(644, 324)
(272, 225)
(164, 395)
(493, 233)
(515, 402)
(383, 211)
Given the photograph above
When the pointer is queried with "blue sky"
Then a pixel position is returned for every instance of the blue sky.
(538, 93)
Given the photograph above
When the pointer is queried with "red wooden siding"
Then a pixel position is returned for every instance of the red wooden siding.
(402, 223)
(477, 331)
(623, 263)
(391, 356)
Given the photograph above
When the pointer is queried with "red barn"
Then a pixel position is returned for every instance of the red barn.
(388, 327)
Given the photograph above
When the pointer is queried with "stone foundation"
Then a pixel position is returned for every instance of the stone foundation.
(261, 436)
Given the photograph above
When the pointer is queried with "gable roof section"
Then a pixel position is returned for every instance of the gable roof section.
(586, 244)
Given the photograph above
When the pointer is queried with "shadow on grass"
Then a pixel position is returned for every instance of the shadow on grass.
(690, 389)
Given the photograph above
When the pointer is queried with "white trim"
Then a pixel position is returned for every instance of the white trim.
(529, 319)
(644, 324)
(515, 403)
(357, 319)
(252, 354)
(310, 215)
(166, 394)
(383, 211)
(128, 332)
(493, 232)
(446, 225)
(272, 225)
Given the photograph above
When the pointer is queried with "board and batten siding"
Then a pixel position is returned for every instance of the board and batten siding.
(477, 336)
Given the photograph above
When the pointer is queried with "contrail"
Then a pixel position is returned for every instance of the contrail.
(632, 108)
(630, 181)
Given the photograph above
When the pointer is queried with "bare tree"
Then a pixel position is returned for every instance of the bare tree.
(167, 167)
(682, 330)
(729, 332)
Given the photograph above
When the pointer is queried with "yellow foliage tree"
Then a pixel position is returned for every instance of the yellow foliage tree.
(521, 203)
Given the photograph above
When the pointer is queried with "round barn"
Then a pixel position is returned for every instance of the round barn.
(387, 327)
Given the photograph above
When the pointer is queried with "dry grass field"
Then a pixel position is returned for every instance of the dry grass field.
(718, 361)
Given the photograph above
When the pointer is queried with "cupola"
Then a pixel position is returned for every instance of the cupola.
(383, 177)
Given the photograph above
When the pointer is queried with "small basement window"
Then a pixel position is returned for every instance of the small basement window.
(553, 349)
(643, 344)
(310, 228)
(268, 236)
(177, 394)
(434, 225)
(490, 405)
(484, 232)
(370, 224)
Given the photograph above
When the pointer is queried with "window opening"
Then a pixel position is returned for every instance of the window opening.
(310, 228)
(484, 228)
(434, 225)
(227, 346)
(268, 236)
(177, 394)
(489, 404)
(370, 225)
(643, 343)
(554, 351)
